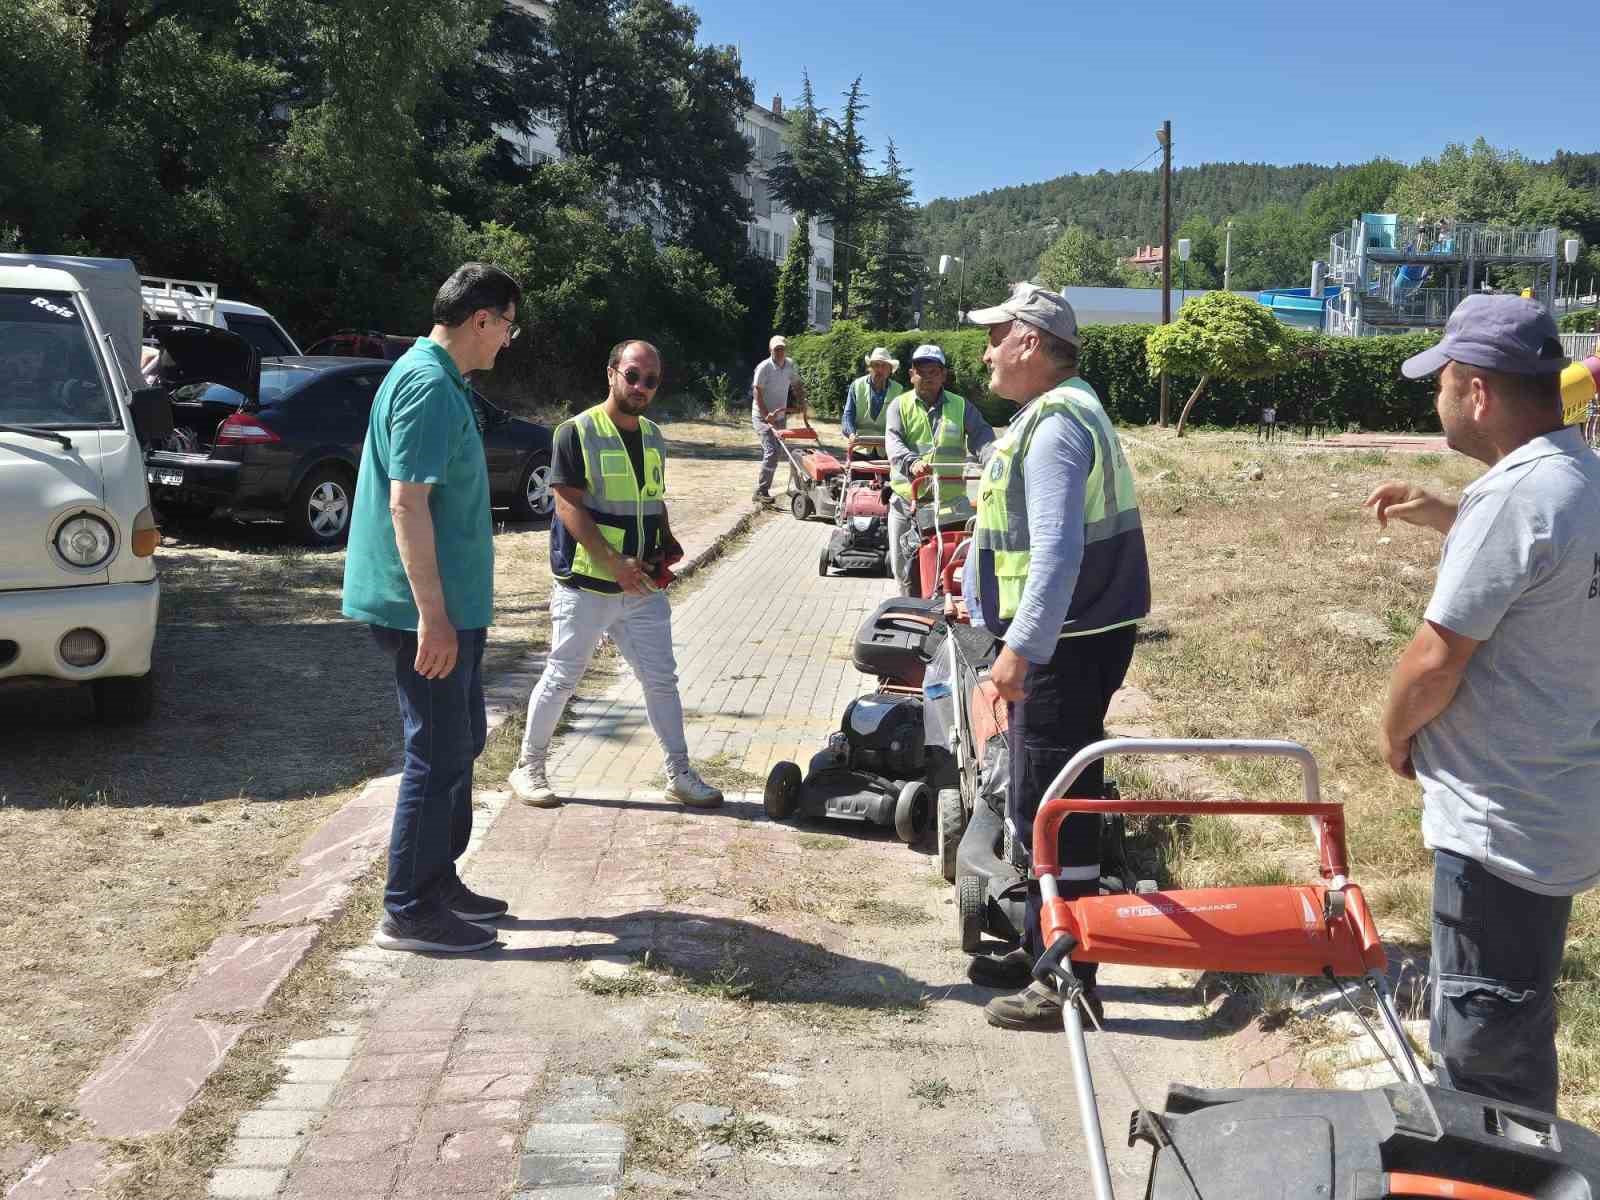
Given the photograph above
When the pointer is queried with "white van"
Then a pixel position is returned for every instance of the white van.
(78, 589)
(194, 300)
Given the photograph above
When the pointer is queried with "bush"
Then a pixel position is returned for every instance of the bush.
(1334, 381)
(1578, 322)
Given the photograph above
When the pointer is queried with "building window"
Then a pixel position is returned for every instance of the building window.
(760, 242)
(760, 198)
(777, 247)
(825, 230)
(822, 312)
(824, 272)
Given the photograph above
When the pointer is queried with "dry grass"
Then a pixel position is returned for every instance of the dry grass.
(1243, 574)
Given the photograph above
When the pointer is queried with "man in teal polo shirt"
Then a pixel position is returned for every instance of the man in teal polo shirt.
(420, 571)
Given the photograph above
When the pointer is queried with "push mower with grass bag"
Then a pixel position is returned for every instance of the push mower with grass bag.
(1405, 1139)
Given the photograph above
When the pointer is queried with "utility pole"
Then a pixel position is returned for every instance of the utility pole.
(1227, 261)
(1165, 138)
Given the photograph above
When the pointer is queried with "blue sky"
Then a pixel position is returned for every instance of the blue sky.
(978, 96)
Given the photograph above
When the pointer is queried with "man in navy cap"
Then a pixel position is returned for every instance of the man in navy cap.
(1493, 706)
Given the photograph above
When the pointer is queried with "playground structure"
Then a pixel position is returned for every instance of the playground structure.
(1393, 274)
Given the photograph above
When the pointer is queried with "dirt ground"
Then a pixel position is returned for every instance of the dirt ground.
(125, 852)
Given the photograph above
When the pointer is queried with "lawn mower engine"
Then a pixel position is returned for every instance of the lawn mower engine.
(871, 770)
(860, 542)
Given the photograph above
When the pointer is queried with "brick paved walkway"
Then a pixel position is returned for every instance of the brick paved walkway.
(444, 1084)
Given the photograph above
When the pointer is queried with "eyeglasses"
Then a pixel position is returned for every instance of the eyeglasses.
(633, 375)
(513, 330)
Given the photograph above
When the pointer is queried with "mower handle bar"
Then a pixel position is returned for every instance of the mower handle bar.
(1327, 820)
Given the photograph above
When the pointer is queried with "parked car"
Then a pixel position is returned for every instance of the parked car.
(352, 343)
(290, 447)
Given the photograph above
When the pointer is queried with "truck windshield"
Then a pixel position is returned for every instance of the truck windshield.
(49, 373)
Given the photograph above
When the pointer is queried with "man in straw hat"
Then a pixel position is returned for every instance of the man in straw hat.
(866, 400)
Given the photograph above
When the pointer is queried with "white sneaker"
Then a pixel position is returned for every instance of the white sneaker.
(530, 786)
(688, 788)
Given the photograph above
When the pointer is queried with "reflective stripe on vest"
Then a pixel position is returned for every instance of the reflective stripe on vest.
(861, 393)
(1109, 505)
(627, 515)
(950, 450)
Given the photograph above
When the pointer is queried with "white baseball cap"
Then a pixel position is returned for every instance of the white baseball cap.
(928, 351)
(778, 340)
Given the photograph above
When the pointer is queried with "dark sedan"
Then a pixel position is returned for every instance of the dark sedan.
(291, 452)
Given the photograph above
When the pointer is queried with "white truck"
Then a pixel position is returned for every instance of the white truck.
(195, 300)
(78, 590)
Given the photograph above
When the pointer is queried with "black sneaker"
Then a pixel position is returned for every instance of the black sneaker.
(470, 906)
(441, 933)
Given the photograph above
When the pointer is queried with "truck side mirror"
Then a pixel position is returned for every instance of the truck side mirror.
(152, 414)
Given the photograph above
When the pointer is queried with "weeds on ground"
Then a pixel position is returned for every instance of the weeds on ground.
(633, 983)
(744, 1133)
(931, 1093)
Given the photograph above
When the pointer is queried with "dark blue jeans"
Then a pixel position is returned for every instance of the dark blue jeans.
(445, 729)
(1496, 955)
(1063, 709)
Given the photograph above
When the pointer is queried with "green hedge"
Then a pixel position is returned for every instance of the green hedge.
(1342, 381)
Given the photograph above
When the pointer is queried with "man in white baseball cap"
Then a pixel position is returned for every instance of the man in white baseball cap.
(1058, 571)
(867, 399)
(776, 392)
(928, 428)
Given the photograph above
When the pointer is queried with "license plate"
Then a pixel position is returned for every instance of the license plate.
(167, 478)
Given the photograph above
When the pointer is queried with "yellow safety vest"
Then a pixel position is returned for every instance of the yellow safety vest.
(627, 514)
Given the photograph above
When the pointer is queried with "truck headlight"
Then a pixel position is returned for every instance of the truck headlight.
(85, 540)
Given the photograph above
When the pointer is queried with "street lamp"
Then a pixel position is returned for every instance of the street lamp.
(961, 280)
(1569, 251)
(1183, 271)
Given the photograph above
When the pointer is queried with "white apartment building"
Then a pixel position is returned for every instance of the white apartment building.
(771, 225)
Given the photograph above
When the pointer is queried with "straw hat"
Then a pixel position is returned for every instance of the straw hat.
(881, 354)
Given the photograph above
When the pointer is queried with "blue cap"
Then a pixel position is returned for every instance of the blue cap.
(927, 351)
(1498, 333)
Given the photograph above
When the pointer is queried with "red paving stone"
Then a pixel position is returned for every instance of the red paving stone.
(482, 1114)
(456, 1089)
(417, 1042)
(326, 868)
(386, 1094)
(377, 1067)
(339, 1181)
(78, 1171)
(343, 1121)
(371, 1146)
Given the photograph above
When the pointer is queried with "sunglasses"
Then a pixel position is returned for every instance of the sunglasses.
(633, 375)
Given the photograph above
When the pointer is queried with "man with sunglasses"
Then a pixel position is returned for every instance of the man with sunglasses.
(609, 544)
(420, 571)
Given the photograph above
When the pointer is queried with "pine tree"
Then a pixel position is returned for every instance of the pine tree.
(855, 198)
(891, 267)
(794, 282)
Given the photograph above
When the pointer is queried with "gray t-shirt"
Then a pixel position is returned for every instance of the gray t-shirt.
(775, 383)
(1510, 771)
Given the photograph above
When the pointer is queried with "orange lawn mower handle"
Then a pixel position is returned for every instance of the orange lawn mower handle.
(1323, 929)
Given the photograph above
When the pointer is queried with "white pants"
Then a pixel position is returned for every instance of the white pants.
(641, 626)
(901, 528)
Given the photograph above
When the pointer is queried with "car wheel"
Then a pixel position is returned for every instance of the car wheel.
(320, 513)
(124, 699)
(534, 500)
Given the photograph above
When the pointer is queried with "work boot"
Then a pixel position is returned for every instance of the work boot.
(1012, 970)
(685, 786)
(529, 784)
(761, 498)
(1037, 1007)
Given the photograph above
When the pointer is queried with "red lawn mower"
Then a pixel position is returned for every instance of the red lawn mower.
(1408, 1138)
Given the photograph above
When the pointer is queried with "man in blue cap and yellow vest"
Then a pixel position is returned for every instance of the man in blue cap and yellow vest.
(928, 429)
(1058, 570)
(609, 545)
